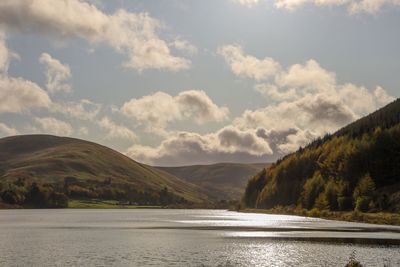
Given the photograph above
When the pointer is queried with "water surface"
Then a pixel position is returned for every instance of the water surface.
(158, 237)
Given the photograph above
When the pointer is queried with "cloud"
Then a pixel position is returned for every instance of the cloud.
(370, 6)
(155, 111)
(16, 94)
(184, 45)
(56, 74)
(273, 92)
(247, 3)
(133, 34)
(54, 126)
(246, 65)
(83, 109)
(159, 109)
(5, 130)
(197, 105)
(83, 130)
(233, 139)
(308, 102)
(227, 144)
(5, 54)
(353, 6)
(309, 76)
(116, 131)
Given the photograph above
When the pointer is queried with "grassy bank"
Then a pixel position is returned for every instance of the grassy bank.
(350, 216)
(104, 204)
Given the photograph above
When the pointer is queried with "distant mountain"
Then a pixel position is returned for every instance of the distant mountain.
(358, 167)
(78, 169)
(222, 181)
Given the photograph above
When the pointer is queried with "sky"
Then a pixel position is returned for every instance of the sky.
(174, 82)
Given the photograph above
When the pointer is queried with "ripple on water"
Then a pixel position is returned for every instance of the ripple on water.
(117, 238)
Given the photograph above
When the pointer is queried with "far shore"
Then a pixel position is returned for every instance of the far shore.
(113, 204)
(386, 218)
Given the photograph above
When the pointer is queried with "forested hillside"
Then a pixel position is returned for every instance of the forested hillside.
(357, 168)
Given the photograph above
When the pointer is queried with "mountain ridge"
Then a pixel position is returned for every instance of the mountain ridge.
(221, 181)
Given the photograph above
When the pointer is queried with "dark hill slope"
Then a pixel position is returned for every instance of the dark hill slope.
(220, 181)
(358, 167)
(86, 170)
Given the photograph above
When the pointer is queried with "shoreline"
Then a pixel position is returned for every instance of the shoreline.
(112, 204)
(383, 218)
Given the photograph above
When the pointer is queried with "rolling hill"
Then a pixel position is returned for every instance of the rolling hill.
(222, 181)
(356, 168)
(81, 169)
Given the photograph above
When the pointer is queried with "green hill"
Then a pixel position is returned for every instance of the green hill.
(60, 167)
(222, 181)
(356, 168)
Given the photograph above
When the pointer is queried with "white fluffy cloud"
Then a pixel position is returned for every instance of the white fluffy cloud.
(159, 109)
(227, 144)
(353, 6)
(6, 130)
(56, 73)
(309, 76)
(134, 34)
(308, 102)
(50, 125)
(273, 92)
(246, 65)
(16, 94)
(116, 131)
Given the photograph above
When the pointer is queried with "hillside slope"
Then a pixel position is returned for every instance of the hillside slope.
(358, 168)
(83, 169)
(222, 181)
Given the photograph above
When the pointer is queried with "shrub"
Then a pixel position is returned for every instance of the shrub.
(11, 197)
(314, 213)
(363, 204)
(352, 261)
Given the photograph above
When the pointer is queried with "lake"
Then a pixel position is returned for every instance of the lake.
(163, 237)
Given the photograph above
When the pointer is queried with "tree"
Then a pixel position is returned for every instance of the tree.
(365, 187)
(331, 194)
(311, 189)
(36, 196)
(321, 202)
(165, 196)
(363, 193)
(363, 203)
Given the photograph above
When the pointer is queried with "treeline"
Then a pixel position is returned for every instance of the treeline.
(356, 168)
(32, 196)
(35, 195)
